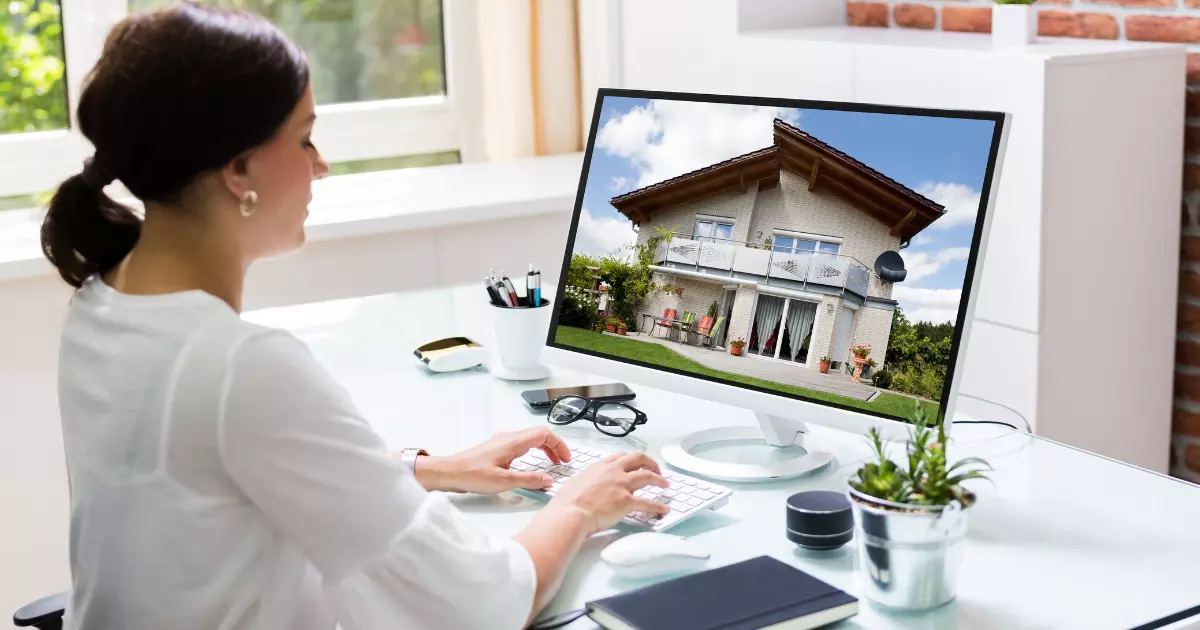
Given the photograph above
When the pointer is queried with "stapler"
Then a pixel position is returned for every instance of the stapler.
(451, 354)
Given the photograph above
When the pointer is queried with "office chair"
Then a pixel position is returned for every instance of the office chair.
(44, 614)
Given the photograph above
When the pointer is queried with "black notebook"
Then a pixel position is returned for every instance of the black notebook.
(757, 593)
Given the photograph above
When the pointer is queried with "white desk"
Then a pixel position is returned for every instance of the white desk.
(1063, 540)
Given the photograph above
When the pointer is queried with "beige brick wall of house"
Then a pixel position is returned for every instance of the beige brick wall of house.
(1176, 21)
(822, 335)
(730, 203)
(872, 326)
(743, 308)
(791, 206)
(697, 297)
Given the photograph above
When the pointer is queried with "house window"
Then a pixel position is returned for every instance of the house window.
(800, 245)
(714, 232)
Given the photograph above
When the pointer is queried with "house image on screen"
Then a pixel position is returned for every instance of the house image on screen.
(795, 243)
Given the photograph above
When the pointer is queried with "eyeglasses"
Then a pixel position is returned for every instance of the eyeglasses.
(611, 418)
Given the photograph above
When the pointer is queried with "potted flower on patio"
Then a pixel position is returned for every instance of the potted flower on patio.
(911, 522)
(621, 327)
(735, 346)
(610, 324)
(860, 357)
(825, 365)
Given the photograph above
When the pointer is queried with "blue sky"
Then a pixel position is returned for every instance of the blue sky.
(641, 142)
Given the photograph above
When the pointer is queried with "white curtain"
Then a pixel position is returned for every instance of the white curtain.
(770, 311)
(800, 323)
(529, 66)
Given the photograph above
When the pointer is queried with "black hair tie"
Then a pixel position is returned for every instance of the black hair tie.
(95, 175)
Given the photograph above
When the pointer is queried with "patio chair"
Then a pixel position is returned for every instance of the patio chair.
(711, 334)
(685, 324)
(667, 320)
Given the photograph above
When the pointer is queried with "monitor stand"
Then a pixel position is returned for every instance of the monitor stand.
(773, 430)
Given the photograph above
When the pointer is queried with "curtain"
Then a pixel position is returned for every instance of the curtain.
(529, 67)
(770, 311)
(800, 323)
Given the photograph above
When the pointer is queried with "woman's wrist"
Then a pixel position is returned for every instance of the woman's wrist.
(436, 473)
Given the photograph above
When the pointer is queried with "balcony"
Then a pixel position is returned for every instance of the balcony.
(736, 259)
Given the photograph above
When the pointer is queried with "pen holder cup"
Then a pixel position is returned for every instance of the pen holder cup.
(520, 337)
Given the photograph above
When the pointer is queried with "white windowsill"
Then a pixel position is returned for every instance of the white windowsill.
(376, 203)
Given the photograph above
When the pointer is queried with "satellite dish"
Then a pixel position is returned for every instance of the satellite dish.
(890, 267)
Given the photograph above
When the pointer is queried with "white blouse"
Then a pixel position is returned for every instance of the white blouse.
(220, 479)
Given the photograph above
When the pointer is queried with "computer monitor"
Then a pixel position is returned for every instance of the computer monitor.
(813, 262)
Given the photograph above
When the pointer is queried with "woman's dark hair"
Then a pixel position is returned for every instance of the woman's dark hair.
(177, 93)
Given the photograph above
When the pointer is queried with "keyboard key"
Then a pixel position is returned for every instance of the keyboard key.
(690, 482)
(685, 490)
(703, 495)
(668, 494)
(538, 455)
(682, 508)
(694, 501)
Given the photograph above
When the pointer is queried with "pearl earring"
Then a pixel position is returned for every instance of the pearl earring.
(249, 201)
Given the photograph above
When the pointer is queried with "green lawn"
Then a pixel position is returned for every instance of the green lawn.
(885, 403)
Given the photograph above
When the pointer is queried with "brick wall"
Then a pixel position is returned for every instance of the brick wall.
(731, 203)
(1175, 21)
(697, 297)
(872, 326)
(791, 206)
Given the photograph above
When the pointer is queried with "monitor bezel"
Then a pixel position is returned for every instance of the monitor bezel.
(971, 278)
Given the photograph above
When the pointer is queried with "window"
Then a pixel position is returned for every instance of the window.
(799, 245)
(33, 96)
(713, 231)
(395, 80)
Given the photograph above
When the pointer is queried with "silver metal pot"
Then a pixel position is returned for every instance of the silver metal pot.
(909, 556)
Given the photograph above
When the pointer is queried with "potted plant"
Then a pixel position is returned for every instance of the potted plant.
(911, 521)
(735, 346)
(1014, 22)
(610, 324)
(868, 366)
(860, 358)
(824, 365)
(621, 327)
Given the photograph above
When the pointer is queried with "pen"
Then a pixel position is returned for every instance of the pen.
(537, 287)
(531, 287)
(492, 294)
(508, 287)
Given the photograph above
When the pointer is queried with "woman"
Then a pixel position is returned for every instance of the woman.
(219, 479)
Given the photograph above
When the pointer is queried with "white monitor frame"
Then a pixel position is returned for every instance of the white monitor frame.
(775, 411)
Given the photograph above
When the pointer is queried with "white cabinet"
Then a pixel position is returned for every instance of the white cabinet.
(1075, 322)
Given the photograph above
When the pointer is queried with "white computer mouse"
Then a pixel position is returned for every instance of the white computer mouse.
(651, 554)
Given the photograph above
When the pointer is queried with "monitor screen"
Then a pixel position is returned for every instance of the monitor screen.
(818, 251)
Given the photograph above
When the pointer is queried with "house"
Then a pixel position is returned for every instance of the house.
(787, 242)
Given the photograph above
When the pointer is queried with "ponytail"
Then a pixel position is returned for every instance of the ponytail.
(85, 231)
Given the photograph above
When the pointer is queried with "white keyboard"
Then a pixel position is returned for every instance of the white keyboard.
(686, 497)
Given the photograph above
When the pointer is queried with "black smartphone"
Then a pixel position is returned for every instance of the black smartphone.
(609, 392)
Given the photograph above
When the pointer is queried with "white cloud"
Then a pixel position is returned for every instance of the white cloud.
(924, 264)
(923, 239)
(603, 236)
(961, 202)
(929, 305)
(665, 139)
(619, 183)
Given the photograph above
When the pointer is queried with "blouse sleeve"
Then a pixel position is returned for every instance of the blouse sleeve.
(391, 554)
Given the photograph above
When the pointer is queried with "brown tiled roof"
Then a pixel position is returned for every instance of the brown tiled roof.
(886, 199)
(901, 188)
(696, 173)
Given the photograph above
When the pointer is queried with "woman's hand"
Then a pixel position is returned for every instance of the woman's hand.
(603, 492)
(484, 468)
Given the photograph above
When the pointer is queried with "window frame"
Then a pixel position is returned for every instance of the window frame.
(714, 221)
(36, 162)
(817, 239)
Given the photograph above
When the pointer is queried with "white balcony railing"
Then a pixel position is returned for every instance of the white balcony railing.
(713, 256)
